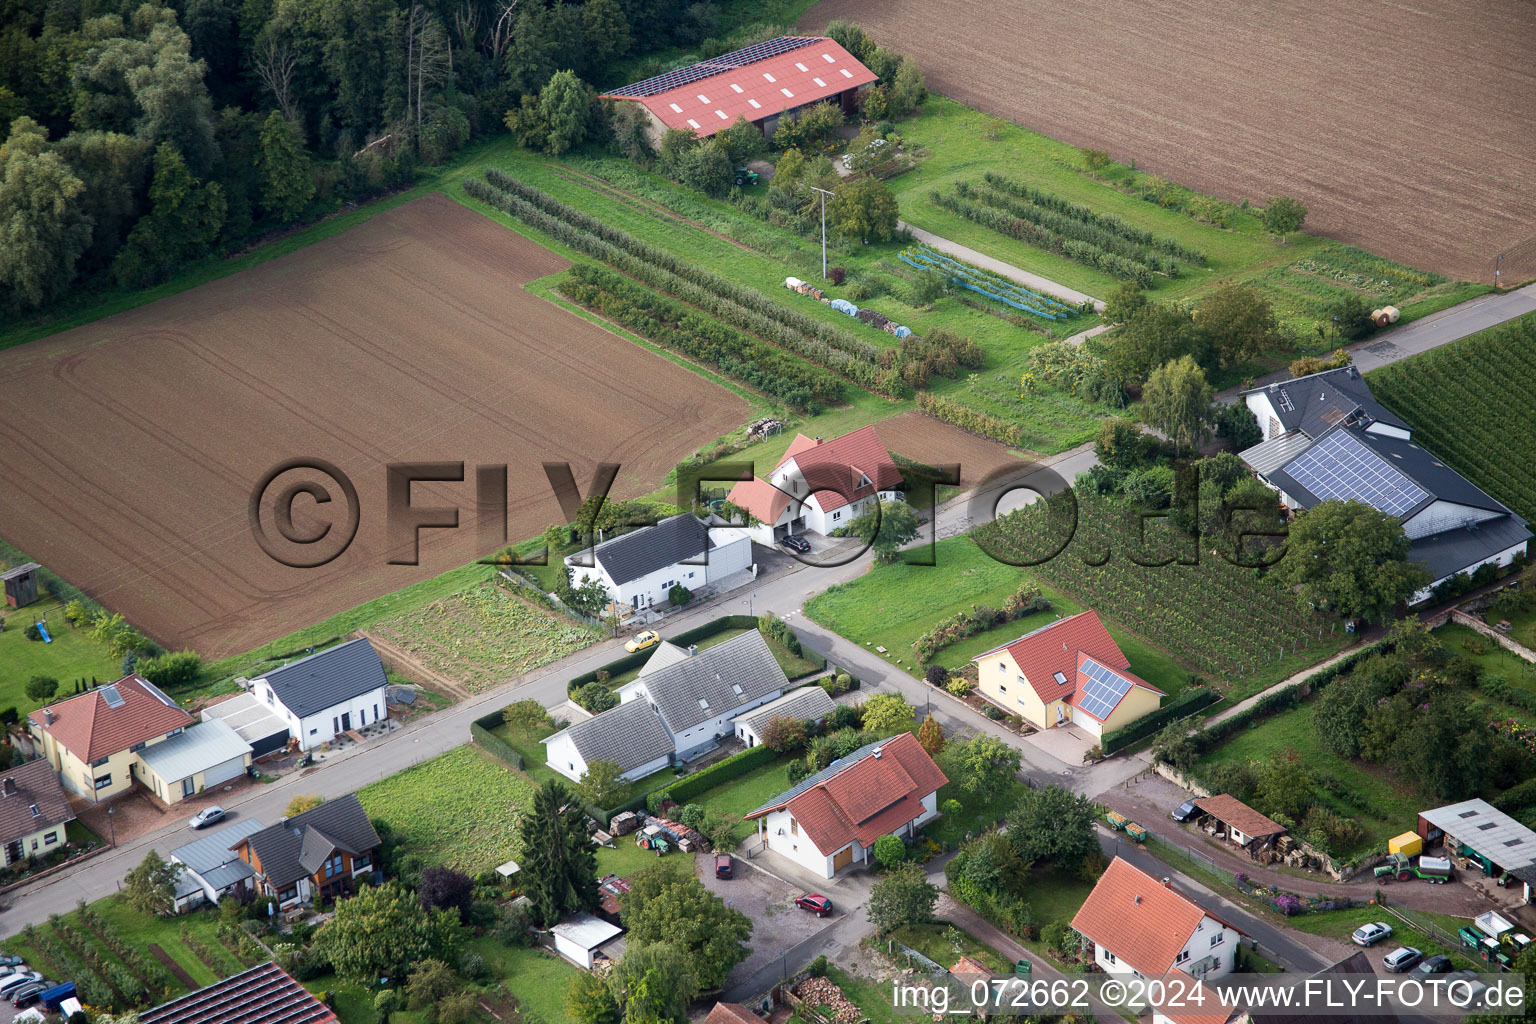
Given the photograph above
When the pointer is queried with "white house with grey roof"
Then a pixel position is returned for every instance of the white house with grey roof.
(640, 568)
(210, 868)
(698, 696)
(1326, 438)
(631, 735)
(806, 704)
(677, 712)
(327, 693)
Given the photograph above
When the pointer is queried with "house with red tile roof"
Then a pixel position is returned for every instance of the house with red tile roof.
(1069, 672)
(830, 821)
(1141, 925)
(93, 739)
(761, 83)
(820, 486)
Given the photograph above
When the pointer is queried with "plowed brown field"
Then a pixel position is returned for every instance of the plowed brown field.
(131, 446)
(1405, 126)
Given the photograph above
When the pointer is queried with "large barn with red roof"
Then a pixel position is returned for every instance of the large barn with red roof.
(819, 486)
(761, 83)
(830, 821)
(1070, 672)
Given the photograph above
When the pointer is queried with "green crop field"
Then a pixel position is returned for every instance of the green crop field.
(1469, 403)
(459, 809)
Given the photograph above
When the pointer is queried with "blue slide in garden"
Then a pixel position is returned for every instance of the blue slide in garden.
(44, 630)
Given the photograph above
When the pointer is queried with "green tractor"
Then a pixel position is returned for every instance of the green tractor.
(1435, 870)
(745, 176)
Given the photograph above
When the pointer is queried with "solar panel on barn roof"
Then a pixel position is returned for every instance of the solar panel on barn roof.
(1341, 467)
(714, 66)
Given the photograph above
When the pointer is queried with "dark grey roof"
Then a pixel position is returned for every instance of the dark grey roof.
(282, 849)
(811, 781)
(642, 552)
(20, 570)
(728, 675)
(317, 849)
(1319, 401)
(629, 735)
(1445, 554)
(808, 702)
(327, 678)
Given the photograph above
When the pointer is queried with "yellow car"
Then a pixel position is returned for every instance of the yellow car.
(650, 638)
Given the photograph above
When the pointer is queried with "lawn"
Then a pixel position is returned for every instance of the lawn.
(1383, 805)
(538, 980)
(1492, 660)
(204, 958)
(873, 997)
(965, 143)
(892, 605)
(485, 635)
(977, 812)
(459, 809)
(1338, 924)
(72, 655)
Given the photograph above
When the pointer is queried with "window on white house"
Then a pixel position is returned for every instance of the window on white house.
(837, 515)
(103, 781)
(50, 838)
(1183, 955)
(794, 827)
(1001, 688)
(1108, 956)
(1216, 939)
(1001, 667)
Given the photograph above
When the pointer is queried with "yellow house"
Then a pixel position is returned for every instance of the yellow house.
(33, 813)
(1068, 672)
(102, 740)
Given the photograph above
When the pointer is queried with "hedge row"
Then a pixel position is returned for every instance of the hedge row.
(733, 767)
(683, 639)
(673, 325)
(1212, 736)
(1033, 234)
(493, 744)
(1107, 221)
(741, 307)
(1182, 706)
(966, 418)
(1069, 227)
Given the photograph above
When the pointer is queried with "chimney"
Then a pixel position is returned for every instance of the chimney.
(9, 788)
(47, 716)
(876, 753)
(693, 649)
(1167, 882)
(1136, 900)
(818, 440)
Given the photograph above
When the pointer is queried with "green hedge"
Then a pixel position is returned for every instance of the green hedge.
(1208, 738)
(733, 767)
(683, 639)
(493, 744)
(1182, 706)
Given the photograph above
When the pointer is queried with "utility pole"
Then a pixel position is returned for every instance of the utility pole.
(1498, 267)
(824, 194)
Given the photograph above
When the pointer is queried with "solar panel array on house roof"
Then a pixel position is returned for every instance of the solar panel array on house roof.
(1341, 467)
(1102, 690)
(714, 66)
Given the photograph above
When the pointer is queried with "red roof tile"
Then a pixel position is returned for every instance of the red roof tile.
(832, 467)
(1139, 919)
(732, 1013)
(870, 798)
(90, 728)
(261, 994)
(760, 498)
(1209, 1010)
(1057, 647)
(807, 74)
(1239, 815)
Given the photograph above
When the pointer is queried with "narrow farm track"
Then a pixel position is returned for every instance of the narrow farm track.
(1404, 127)
(655, 209)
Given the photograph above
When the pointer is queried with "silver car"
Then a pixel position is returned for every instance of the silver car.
(1370, 934)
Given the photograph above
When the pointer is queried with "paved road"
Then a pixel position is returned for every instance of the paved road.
(1431, 332)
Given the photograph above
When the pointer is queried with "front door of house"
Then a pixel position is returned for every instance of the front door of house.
(13, 851)
(188, 787)
(346, 721)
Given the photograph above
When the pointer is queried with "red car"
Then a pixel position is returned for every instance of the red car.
(815, 903)
(723, 866)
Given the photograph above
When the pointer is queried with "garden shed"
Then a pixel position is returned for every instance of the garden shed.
(1243, 825)
(20, 584)
(583, 939)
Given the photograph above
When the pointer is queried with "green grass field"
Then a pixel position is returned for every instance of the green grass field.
(459, 809)
(977, 812)
(944, 943)
(892, 605)
(537, 979)
(1493, 660)
(72, 655)
(1382, 804)
(965, 143)
(1338, 924)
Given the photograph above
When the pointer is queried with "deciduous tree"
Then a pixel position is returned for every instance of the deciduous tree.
(887, 526)
(443, 888)
(287, 184)
(1349, 558)
(864, 208)
(566, 106)
(1177, 401)
(1240, 323)
(44, 229)
(1053, 825)
(886, 714)
(302, 802)
(150, 888)
(184, 220)
(654, 983)
(602, 784)
(1282, 216)
(41, 688)
(383, 931)
(664, 906)
(981, 764)
(781, 734)
(588, 1000)
(559, 864)
(524, 717)
(931, 735)
(890, 851)
(903, 897)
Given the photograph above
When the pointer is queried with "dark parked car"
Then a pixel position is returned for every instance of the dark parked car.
(815, 903)
(797, 543)
(724, 866)
(10, 960)
(1185, 811)
(29, 994)
(1437, 964)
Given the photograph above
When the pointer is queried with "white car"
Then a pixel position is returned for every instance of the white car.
(16, 981)
(206, 816)
(1370, 934)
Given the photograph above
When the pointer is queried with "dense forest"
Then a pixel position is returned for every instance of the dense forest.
(143, 137)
